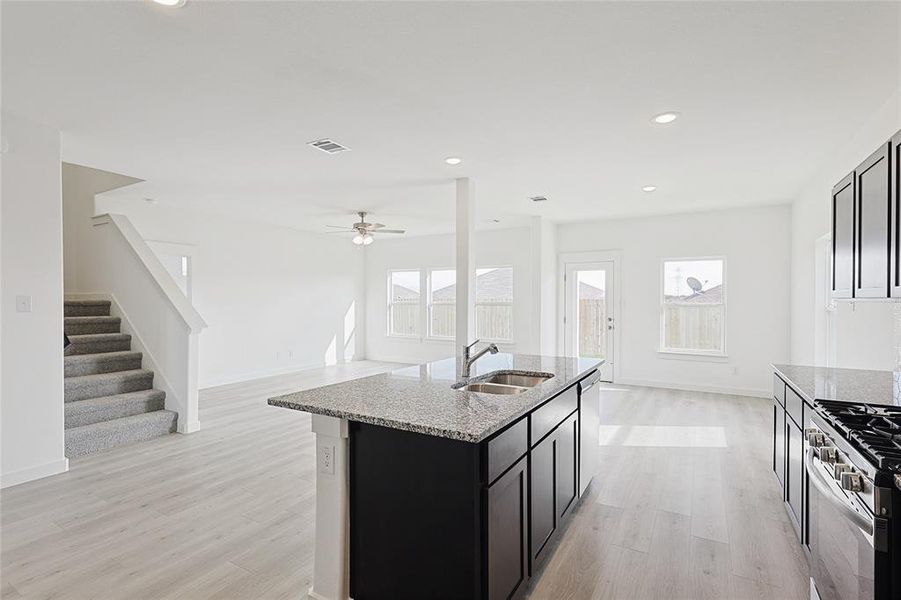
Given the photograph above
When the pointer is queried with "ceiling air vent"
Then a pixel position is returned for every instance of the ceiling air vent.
(538, 199)
(329, 146)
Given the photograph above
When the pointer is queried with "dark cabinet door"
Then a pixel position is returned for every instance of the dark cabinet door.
(508, 545)
(895, 207)
(779, 444)
(794, 449)
(871, 261)
(542, 485)
(567, 463)
(843, 238)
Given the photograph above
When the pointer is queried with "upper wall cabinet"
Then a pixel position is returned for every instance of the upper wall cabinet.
(866, 227)
(895, 216)
(843, 238)
(871, 260)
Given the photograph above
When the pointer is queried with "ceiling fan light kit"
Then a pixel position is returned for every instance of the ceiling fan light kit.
(364, 231)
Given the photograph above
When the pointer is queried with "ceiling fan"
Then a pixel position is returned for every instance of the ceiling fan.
(364, 231)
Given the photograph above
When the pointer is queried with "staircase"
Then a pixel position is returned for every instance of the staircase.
(110, 400)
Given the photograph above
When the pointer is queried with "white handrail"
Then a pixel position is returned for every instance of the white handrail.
(155, 269)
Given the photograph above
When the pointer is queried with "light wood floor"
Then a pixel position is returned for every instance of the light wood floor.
(680, 511)
(686, 506)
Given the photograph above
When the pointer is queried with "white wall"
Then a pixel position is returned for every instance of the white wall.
(494, 248)
(755, 242)
(862, 334)
(31, 352)
(275, 299)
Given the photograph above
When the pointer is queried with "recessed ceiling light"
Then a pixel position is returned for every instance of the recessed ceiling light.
(649, 188)
(664, 118)
(538, 198)
(172, 3)
(453, 160)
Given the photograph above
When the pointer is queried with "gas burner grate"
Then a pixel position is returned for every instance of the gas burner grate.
(876, 430)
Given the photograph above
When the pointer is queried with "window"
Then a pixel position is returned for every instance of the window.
(693, 312)
(407, 307)
(442, 303)
(494, 304)
(403, 303)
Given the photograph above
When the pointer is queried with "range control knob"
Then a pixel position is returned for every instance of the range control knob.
(839, 469)
(828, 454)
(852, 482)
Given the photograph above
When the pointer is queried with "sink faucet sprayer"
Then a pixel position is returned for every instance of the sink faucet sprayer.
(468, 360)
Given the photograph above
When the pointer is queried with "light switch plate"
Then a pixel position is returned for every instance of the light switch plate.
(327, 460)
(23, 304)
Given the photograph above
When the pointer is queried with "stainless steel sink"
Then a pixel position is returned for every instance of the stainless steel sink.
(518, 379)
(493, 388)
(504, 382)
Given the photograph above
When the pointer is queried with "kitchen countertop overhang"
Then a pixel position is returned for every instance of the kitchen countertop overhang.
(420, 398)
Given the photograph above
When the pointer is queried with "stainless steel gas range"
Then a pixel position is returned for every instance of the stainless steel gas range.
(853, 465)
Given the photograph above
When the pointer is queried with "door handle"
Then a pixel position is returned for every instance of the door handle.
(819, 481)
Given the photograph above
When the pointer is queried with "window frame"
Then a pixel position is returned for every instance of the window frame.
(428, 310)
(511, 304)
(389, 281)
(696, 353)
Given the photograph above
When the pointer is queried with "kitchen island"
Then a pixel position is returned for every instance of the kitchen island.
(427, 490)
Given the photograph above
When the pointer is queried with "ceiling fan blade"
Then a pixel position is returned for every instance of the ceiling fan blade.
(376, 225)
(391, 231)
(341, 227)
(348, 231)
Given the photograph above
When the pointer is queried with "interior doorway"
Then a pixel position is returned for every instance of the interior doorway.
(589, 320)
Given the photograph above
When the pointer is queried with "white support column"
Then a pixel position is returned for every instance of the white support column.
(466, 271)
(543, 260)
(331, 564)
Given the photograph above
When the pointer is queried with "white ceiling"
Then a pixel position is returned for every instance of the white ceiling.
(213, 104)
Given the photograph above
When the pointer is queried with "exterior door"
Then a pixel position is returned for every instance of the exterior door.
(589, 318)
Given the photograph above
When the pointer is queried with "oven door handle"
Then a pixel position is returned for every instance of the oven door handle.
(865, 524)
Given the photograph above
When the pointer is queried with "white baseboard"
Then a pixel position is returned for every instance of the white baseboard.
(730, 391)
(36, 472)
(251, 375)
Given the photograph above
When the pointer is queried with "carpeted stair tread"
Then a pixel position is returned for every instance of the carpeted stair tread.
(101, 362)
(107, 408)
(92, 324)
(86, 308)
(88, 439)
(94, 343)
(107, 384)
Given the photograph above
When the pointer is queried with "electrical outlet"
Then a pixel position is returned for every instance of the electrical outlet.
(23, 304)
(327, 460)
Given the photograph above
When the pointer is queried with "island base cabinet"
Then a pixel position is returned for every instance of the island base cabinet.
(542, 486)
(415, 523)
(438, 518)
(554, 483)
(566, 477)
(508, 535)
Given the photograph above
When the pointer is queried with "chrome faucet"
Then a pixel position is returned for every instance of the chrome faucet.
(468, 359)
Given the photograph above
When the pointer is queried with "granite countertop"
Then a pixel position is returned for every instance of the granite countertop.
(843, 385)
(420, 398)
